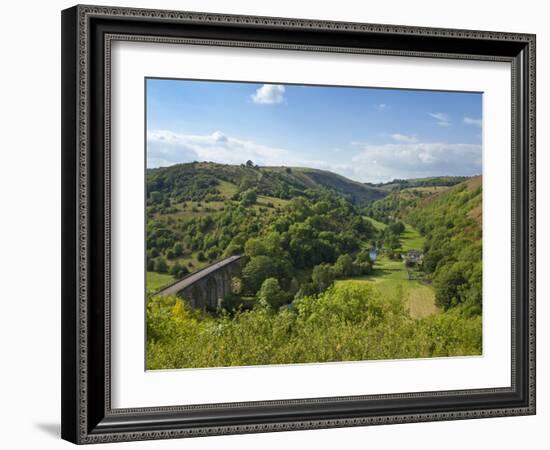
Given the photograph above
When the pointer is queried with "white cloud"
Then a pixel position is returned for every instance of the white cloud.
(471, 121)
(404, 138)
(443, 120)
(380, 106)
(165, 148)
(374, 163)
(414, 160)
(269, 94)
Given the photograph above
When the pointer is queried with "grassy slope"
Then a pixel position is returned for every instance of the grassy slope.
(378, 226)
(358, 192)
(411, 239)
(156, 281)
(267, 178)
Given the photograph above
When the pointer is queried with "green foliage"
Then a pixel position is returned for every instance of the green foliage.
(178, 271)
(271, 294)
(205, 181)
(293, 300)
(421, 182)
(156, 281)
(259, 269)
(248, 197)
(160, 265)
(344, 267)
(363, 263)
(396, 228)
(322, 277)
(452, 251)
(346, 323)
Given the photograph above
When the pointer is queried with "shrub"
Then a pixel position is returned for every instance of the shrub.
(271, 294)
(160, 265)
(348, 322)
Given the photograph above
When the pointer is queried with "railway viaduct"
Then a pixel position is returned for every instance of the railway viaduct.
(206, 287)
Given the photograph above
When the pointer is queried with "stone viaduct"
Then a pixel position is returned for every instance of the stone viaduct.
(206, 287)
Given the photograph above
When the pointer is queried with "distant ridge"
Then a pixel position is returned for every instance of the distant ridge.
(191, 181)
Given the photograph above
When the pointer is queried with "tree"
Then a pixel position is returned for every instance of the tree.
(322, 277)
(363, 263)
(343, 267)
(258, 269)
(269, 244)
(156, 197)
(212, 253)
(177, 249)
(160, 265)
(397, 228)
(392, 242)
(249, 163)
(178, 271)
(450, 284)
(248, 197)
(271, 293)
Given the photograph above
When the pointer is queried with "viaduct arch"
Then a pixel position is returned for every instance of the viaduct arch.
(206, 288)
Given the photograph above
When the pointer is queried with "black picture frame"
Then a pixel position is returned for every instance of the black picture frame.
(87, 416)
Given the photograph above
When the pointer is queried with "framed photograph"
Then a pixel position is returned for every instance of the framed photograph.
(278, 224)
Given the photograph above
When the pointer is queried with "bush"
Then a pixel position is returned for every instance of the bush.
(348, 322)
(344, 267)
(258, 269)
(160, 265)
(248, 197)
(178, 271)
(322, 277)
(271, 294)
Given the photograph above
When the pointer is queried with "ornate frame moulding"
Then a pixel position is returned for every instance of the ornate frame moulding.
(87, 35)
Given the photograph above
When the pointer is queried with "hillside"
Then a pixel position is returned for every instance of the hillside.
(420, 182)
(218, 182)
(451, 222)
(462, 200)
(309, 289)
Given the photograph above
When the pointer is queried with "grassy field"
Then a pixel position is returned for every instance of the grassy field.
(378, 226)
(411, 239)
(156, 281)
(390, 278)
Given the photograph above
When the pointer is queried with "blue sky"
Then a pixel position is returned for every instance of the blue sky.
(365, 134)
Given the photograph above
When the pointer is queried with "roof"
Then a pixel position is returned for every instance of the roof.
(179, 285)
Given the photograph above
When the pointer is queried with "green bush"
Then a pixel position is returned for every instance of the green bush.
(348, 322)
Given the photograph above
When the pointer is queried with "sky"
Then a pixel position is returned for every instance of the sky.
(366, 134)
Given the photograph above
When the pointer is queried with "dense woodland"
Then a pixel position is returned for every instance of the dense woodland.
(309, 290)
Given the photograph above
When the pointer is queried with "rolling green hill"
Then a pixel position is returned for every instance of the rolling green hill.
(325, 275)
(218, 182)
(451, 222)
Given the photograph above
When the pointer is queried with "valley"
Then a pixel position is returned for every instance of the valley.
(326, 260)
